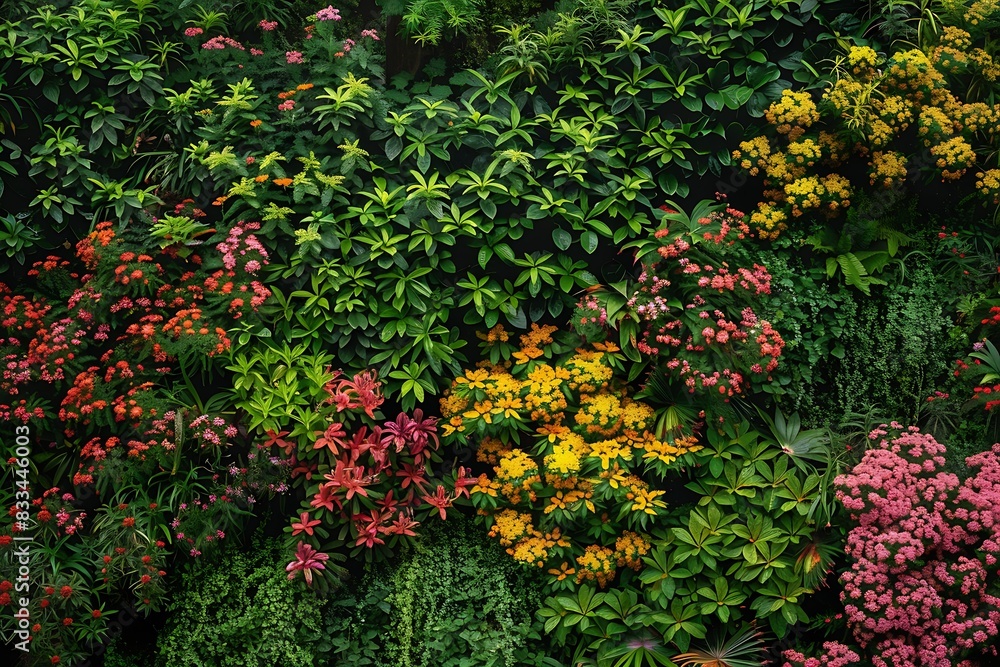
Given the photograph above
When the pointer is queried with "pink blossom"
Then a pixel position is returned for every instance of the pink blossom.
(267, 26)
(193, 32)
(293, 57)
(328, 14)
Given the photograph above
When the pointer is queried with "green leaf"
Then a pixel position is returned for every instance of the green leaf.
(561, 238)
(589, 241)
(393, 147)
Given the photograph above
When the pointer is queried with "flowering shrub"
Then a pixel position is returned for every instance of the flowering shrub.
(120, 321)
(924, 550)
(88, 348)
(575, 462)
(834, 654)
(695, 310)
(865, 113)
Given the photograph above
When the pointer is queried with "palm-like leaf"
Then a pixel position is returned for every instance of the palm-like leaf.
(675, 411)
(990, 359)
(741, 650)
(811, 445)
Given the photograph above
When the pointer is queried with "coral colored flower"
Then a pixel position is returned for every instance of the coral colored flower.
(256, 123)
(304, 524)
(193, 32)
(268, 26)
(293, 57)
(307, 560)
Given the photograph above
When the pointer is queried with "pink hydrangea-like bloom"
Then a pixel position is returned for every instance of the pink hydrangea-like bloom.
(328, 14)
(293, 57)
(256, 52)
(287, 105)
(267, 26)
(219, 43)
(917, 593)
(193, 32)
(370, 33)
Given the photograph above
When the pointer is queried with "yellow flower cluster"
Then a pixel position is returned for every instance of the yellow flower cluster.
(834, 150)
(511, 526)
(516, 473)
(668, 452)
(582, 491)
(597, 563)
(769, 221)
(563, 460)
(980, 117)
(988, 184)
(913, 74)
(608, 451)
(636, 415)
(647, 501)
(588, 372)
(888, 169)
(954, 157)
(630, 548)
(981, 10)
(495, 335)
(490, 450)
(935, 125)
(600, 413)
(753, 154)
(955, 37)
(588, 443)
(793, 113)
(523, 541)
(545, 398)
(987, 66)
(804, 152)
(862, 61)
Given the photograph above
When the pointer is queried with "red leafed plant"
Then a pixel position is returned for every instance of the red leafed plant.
(369, 485)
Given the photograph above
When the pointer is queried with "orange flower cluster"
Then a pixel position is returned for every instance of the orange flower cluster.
(101, 237)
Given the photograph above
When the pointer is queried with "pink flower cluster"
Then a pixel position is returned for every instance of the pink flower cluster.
(834, 654)
(267, 26)
(242, 246)
(697, 309)
(328, 14)
(193, 32)
(293, 57)
(924, 551)
(370, 33)
(218, 43)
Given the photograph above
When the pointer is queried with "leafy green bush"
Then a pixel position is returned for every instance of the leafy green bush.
(897, 348)
(454, 600)
(242, 611)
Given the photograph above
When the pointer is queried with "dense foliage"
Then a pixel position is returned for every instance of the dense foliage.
(449, 332)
